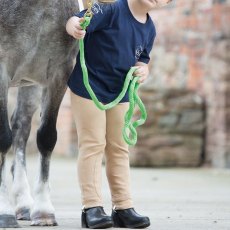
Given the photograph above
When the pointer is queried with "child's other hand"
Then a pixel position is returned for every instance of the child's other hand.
(74, 29)
(142, 72)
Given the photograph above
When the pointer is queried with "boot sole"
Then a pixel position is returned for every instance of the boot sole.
(108, 224)
(142, 225)
(119, 224)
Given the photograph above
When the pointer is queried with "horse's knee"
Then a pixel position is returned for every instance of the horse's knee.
(21, 126)
(5, 137)
(46, 138)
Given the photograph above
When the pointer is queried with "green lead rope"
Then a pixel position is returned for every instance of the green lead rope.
(129, 130)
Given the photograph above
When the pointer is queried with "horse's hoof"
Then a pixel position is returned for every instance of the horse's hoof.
(8, 221)
(23, 214)
(43, 219)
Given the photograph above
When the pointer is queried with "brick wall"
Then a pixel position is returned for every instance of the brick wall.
(173, 134)
(192, 51)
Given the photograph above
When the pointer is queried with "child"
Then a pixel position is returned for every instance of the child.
(120, 36)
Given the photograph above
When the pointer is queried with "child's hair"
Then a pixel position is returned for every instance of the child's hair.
(106, 1)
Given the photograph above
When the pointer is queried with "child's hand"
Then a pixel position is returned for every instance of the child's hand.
(142, 72)
(74, 29)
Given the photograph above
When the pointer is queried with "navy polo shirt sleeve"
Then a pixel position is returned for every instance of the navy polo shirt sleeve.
(102, 14)
(80, 14)
(145, 57)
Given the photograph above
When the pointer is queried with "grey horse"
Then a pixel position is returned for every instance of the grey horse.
(36, 55)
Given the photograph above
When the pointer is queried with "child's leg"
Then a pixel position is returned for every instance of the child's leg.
(91, 127)
(117, 158)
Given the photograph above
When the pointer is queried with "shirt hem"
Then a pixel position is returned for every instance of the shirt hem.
(101, 99)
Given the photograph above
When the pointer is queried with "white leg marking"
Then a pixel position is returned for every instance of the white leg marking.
(21, 188)
(42, 201)
(5, 205)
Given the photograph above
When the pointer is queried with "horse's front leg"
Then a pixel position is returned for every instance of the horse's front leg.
(7, 214)
(27, 103)
(43, 210)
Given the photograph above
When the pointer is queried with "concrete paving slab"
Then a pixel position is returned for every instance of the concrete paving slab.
(174, 199)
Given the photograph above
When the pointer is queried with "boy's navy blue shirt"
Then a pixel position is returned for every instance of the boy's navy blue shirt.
(115, 41)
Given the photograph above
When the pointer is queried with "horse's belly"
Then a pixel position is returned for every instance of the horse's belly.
(22, 83)
(31, 71)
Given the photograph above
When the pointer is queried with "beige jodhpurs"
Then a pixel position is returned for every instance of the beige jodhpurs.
(99, 134)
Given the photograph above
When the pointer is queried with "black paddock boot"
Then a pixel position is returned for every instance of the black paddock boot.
(128, 218)
(95, 218)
